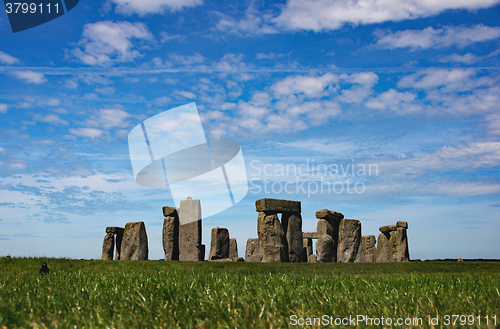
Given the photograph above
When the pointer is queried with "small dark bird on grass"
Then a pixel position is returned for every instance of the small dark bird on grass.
(44, 269)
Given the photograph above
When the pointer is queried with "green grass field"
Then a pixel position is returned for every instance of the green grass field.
(158, 294)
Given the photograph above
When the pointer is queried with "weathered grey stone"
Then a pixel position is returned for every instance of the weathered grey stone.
(108, 246)
(349, 239)
(310, 235)
(114, 229)
(233, 248)
(324, 249)
(311, 258)
(367, 250)
(190, 247)
(118, 244)
(252, 248)
(383, 252)
(272, 241)
(325, 227)
(273, 206)
(189, 211)
(398, 246)
(219, 246)
(402, 224)
(292, 225)
(255, 258)
(170, 212)
(329, 215)
(135, 242)
(387, 228)
(308, 246)
(171, 237)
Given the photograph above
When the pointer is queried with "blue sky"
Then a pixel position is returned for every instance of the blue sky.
(411, 88)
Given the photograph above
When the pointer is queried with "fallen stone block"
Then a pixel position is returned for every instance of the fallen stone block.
(135, 242)
(274, 206)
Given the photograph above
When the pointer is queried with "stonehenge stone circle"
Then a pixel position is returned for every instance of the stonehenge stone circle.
(272, 241)
(219, 245)
(135, 242)
(307, 244)
(367, 249)
(170, 234)
(324, 249)
(349, 240)
(108, 246)
(252, 248)
(310, 235)
(190, 247)
(383, 253)
(233, 248)
(292, 224)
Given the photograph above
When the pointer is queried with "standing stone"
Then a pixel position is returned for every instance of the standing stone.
(292, 225)
(324, 249)
(402, 224)
(135, 242)
(328, 223)
(118, 239)
(272, 241)
(118, 242)
(383, 252)
(108, 246)
(252, 248)
(398, 245)
(307, 244)
(349, 239)
(171, 235)
(219, 245)
(367, 250)
(324, 227)
(190, 247)
(311, 258)
(233, 248)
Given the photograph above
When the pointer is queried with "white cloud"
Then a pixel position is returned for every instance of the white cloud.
(3, 108)
(269, 56)
(51, 119)
(86, 132)
(70, 84)
(398, 102)
(456, 58)
(252, 23)
(451, 79)
(106, 42)
(166, 37)
(2, 149)
(430, 38)
(108, 118)
(493, 123)
(308, 85)
(186, 60)
(144, 7)
(30, 76)
(323, 15)
(184, 94)
(7, 59)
